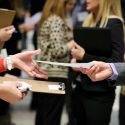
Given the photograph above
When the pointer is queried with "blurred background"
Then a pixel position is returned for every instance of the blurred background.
(28, 15)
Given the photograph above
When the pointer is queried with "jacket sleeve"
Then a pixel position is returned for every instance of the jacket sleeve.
(116, 26)
(120, 67)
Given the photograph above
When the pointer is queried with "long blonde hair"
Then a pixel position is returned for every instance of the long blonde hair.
(52, 7)
(106, 9)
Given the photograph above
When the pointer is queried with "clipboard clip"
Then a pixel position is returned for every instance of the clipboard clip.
(61, 86)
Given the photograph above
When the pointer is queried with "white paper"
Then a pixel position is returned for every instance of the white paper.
(53, 87)
(75, 65)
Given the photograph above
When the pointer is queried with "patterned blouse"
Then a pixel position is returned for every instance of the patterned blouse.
(53, 37)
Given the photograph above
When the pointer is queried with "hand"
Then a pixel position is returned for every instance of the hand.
(98, 71)
(77, 52)
(9, 92)
(6, 33)
(70, 44)
(24, 61)
(26, 27)
(73, 60)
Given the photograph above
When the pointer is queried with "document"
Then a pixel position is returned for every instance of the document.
(75, 65)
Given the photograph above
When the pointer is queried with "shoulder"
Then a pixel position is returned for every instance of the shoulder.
(55, 19)
(112, 19)
(51, 22)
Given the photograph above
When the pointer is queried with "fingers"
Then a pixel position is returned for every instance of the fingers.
(27, 54)
(9, 29)
(73, 60)
(83, 70)
(35, 52)
(39, 72)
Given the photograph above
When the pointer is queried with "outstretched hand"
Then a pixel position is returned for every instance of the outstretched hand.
(98, 71)
(24, 61)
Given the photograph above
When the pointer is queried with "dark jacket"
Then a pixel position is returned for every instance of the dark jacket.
(116, 26)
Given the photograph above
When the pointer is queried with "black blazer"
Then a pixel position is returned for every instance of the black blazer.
(117, 34)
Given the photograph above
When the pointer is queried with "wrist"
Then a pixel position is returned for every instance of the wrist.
(8, 63)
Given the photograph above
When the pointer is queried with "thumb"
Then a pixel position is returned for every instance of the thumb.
(35, 52)
(77, 46)
(73, 60)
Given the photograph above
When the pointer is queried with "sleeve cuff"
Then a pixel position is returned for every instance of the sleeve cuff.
(115, 73)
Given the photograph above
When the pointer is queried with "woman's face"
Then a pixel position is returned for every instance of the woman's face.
(69, 6)
(92, 5)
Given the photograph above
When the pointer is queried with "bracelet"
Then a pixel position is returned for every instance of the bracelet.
(9, 63)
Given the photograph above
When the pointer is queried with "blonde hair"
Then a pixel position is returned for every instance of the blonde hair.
(107, 8)
(52, 7)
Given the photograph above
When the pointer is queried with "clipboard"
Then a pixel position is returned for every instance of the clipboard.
(36, 85)
(95, 40)
(6, 19)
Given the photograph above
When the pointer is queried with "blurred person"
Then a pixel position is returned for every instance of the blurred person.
(54, 39)
(69, 5)
(110, 71)
(79, 12)
(87, 96)
(21, 13)
(35, 8)
(123, 8)
(68, 8)
(21, 61)
(12, 48)
(12, 45)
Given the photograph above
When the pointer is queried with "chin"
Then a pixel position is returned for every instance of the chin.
(88, 8)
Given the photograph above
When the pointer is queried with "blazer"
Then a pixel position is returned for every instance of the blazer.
(116, 26)
(120, 67)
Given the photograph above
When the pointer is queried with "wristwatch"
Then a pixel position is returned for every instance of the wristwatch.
(9, 63)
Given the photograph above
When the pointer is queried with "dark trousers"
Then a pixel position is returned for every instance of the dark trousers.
(49, 107)
(122, 110)
(90, 108)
